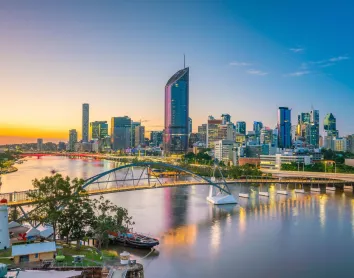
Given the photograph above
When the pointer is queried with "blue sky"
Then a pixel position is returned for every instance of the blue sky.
(246, 58)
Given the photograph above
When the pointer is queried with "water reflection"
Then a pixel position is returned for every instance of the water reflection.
(214, 241)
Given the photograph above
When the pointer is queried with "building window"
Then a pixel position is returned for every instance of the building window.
(36, 255)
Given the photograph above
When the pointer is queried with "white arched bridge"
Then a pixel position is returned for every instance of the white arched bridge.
(148, 175)
(134, 176)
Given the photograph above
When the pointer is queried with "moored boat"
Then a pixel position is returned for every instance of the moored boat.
(135, 240)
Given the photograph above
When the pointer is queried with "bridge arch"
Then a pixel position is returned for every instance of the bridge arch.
(221, 186)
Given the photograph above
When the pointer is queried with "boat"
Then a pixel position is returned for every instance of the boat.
(134, 240)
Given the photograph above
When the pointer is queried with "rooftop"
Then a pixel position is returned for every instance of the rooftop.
(33, 248)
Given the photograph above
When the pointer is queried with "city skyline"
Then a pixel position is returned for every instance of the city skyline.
(101, 56)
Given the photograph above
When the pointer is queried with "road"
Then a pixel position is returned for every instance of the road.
(338, 176)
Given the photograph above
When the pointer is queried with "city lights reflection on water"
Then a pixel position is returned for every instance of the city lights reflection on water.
(198, 239)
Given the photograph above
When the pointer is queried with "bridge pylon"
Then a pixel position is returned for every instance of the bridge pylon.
(218, 197)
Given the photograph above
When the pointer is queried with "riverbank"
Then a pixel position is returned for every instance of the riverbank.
(9, 170)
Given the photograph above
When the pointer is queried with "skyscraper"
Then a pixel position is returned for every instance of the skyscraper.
(133, 131)
(284, 127)
(176, 113)
(308, 128)
(226, 118)
(190, 127)
(72, 139)
(156, 138)
(120, 132)
(241, 127)
(313, 137)
(202, 130)
(139, 135)
(330, 125)
(257, 126)
(213, 131)
(98, 130)
(85, 122)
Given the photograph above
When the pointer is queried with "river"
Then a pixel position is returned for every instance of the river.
(303, 235)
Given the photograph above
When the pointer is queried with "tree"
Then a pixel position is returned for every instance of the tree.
(77, 216)
(14, 213)
(109, 218)
(53, 194)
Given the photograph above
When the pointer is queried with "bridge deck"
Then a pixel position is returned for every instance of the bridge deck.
(21, 198)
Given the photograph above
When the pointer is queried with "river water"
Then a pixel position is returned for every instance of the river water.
(303, 235)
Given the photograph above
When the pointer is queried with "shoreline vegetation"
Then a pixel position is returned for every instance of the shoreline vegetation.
(9, 170)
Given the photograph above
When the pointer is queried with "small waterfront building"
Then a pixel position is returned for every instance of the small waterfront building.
(275, 161)
(33, 252)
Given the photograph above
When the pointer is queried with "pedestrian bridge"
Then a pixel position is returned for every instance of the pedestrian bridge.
(150, 175)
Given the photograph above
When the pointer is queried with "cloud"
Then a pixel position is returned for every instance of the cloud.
(256, 72)
(297, 50)
(327, 65)
(330, 61)
(239, 64)
(298, 73)
(339, 58)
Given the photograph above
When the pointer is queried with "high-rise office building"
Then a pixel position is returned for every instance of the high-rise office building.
(98, 130)
(330, 125)
(212, 131)
(217, 131)
(202, 130)
(39, 144)
(139, 135)
(72, 139)
(266, 136)
(156, 138)
(133, 129)
(85, 122)
(284, 127)
(257, 126)
(120, 132)
(308, 128)
(241, 127)
(190, 126)
(226, 118)
(176, 113)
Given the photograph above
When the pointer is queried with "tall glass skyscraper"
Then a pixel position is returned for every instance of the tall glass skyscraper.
(284, 127)
(85, 122)
(241, 127)
(98, 130)
(330, 125)
(176, 113)
(257, 126)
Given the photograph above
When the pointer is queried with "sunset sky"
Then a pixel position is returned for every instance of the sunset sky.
(246, 58)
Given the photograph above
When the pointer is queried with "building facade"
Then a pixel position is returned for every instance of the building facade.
(85, 122)
(257, 126)
(212, 131)
(202, 130)
(190, 126)
(98, 130)
(226, 118)
(72, 139)
(241, 127)
(284, 127)
(156, 138)
(275, 161)
(340, 144)
(39, 144)
(120, 133)
(330, 125)
(223, 150)
(139, 135)
(177, 113)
